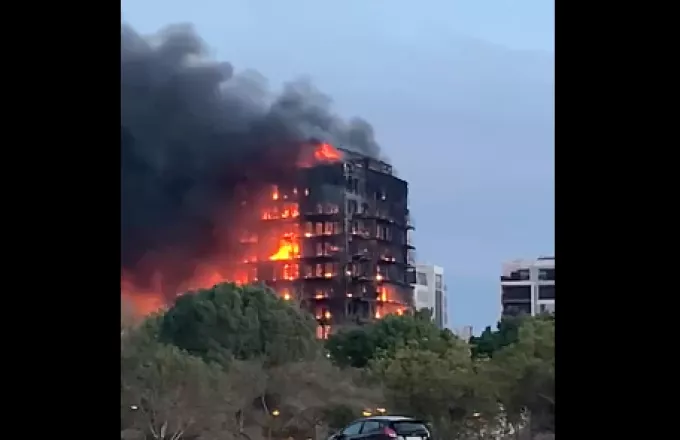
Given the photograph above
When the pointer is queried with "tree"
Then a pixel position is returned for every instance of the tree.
(443, 387)
(228, 321)
(314, 392)
(358, 346)
(168, 394)
(490, 341)
(524, 374)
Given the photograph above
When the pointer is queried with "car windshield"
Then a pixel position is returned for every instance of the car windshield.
(410, 428)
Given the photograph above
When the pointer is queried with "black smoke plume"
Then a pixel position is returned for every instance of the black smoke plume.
(191, 131)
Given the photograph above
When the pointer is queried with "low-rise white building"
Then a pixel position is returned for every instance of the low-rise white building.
(430, 292)
(528, 286)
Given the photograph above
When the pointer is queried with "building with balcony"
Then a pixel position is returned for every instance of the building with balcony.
(528, 286)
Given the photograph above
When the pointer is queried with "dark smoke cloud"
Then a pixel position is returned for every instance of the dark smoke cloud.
(190, 131)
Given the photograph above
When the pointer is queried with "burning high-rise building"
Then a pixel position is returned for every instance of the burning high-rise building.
(220, 184)
(336, 239)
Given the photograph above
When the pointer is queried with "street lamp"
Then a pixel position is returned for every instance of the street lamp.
(276, 413)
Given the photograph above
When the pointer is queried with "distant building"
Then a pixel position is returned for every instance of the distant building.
(430, 292)
(528, 286)
(463, 332)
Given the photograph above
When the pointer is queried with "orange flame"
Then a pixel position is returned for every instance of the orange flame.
(322, 153)
(289, 248)
(327, 153)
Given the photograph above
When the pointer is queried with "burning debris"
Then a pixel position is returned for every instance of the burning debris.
(220, 184)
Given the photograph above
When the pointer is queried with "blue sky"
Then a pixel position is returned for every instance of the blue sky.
(460, 93)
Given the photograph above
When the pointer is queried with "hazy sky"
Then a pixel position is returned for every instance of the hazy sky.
(461, 95)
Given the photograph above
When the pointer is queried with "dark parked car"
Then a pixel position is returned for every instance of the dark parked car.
(384, 428)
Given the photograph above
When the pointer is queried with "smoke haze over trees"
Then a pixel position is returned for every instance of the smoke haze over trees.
(191, 131)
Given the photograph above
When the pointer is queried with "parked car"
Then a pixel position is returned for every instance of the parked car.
(384, 428)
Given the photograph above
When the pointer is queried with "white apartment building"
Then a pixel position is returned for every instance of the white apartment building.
(528, 286)
(463, 332)
(430, 292)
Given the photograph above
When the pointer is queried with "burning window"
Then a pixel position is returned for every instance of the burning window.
(323, 331)
(291, 271)
(330, 270)
(309, 229)
(320, 294)
(290, 210)
(382, 293)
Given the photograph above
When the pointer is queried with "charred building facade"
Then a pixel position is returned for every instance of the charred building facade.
(344, 250)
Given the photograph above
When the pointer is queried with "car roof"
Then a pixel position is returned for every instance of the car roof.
(388, 418)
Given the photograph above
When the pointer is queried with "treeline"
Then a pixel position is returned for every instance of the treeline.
(239, 363)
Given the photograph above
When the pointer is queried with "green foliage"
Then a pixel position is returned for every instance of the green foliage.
(490, 341)
(219, 361)
(228, 321)
(358, 346)
(524, 372)
(166, 392)
(461, 393)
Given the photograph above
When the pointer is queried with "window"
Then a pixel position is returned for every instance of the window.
(546, 292)
(438, 282)
(352, 429)
(370, 426)
(517, 309)
(422, 278)
(516, 293)
(351, 207)
(517, 275)
(408, 429)
(546, 274)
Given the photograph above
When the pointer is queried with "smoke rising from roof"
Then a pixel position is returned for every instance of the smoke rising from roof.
(191, 130)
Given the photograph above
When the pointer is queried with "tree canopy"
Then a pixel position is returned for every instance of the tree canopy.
(231, 362)
(358, 346)
(237, 362)
(228, 321)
